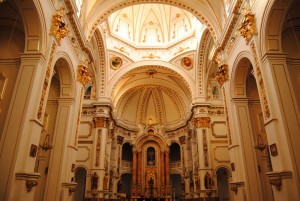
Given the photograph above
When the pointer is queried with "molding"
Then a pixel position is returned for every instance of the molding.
(31, 179)
(71, 186)
(275, 178)
(235, 185)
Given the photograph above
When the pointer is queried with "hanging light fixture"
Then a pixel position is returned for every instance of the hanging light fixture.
(47, 144)
(260, 144)
(1, 1)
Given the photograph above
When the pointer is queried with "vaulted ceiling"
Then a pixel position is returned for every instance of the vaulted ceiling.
(152, 53)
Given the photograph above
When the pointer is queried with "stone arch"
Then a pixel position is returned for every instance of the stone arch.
(238, 75)
(65, 71)
(188, 80)
(34, 24)
(157, 139)
(273, 19)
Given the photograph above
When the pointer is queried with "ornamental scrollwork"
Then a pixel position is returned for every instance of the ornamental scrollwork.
(202, 122)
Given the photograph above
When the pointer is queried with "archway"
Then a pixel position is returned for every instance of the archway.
(56, 130)
(223, 175)
(252, 136)
(80, 179)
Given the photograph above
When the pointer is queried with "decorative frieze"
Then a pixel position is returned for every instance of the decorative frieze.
(202, 122)
(222, 74)
(59, 29)
(247, 28)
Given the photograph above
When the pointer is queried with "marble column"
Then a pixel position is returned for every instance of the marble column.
(139, 172)
(162, 172)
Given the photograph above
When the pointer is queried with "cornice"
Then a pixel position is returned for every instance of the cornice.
(78, 30)
(229, 29)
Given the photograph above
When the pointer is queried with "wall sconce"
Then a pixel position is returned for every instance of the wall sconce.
(47, 144)
(260, 144)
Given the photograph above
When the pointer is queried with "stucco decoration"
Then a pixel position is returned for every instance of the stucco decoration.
(247, 28)
(59, 29)
(83, 75)
(222, 74)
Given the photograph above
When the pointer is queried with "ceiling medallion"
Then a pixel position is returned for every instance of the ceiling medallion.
(115, 62)
(187, 62)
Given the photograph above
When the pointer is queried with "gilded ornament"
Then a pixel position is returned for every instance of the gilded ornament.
(115, 62)
(100, 122)
(83, 75)
(182, 140)
(247, 28)
(202, 122)
(222, 74)
(59, 29)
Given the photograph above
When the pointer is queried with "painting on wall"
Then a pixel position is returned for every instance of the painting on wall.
(187, 62)
(115, 63)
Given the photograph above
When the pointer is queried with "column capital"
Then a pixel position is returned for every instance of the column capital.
(100, 122)
(182, 140)
(120, 139)
(201, 122)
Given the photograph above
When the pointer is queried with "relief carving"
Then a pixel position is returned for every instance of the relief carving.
(247, 28)
(59, 29)
(222, 74)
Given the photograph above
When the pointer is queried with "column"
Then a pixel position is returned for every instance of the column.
(134, 164)
(282, 126)
(162, 172)
(22, 132)
(139, 172)
(202, 124)
(185, 173)
(101, 128)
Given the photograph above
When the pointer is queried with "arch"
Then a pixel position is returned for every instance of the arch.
(238, 75)
(271, 26)
(186, 78)
(157, 139)
(35, 25)
(223, 174)
(80, 179)
(201, 10)
(65, 70)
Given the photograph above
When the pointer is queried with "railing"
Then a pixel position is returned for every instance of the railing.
(175, 164)
(126, 164)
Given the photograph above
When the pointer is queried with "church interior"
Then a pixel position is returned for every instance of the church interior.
(149, 100)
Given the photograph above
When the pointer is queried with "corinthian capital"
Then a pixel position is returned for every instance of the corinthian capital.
(100, 122)
(202, 122)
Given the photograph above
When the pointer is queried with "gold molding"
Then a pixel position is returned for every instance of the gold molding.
(202, 122)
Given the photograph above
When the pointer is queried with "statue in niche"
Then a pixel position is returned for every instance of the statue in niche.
(208, 181)
(94, 183)
(151, 156)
